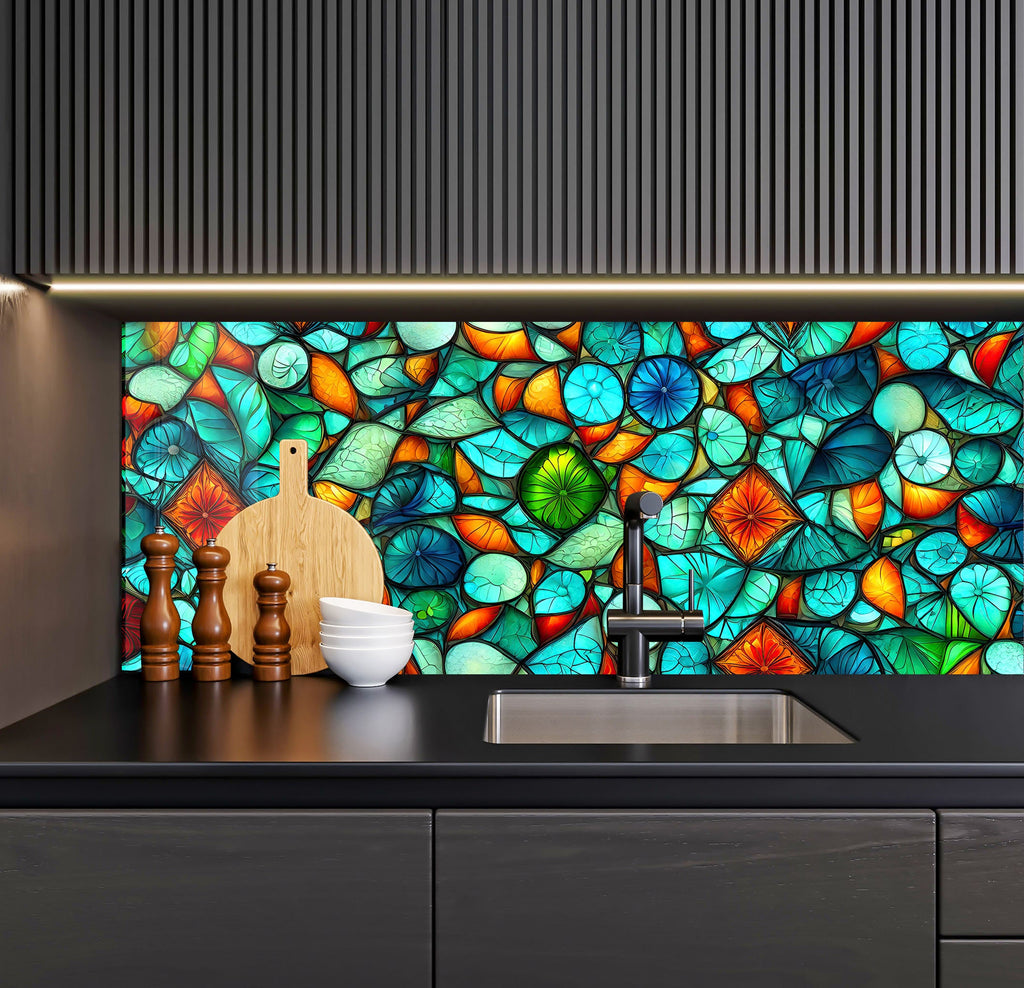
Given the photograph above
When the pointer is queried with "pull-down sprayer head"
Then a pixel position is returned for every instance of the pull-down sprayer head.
(642, 506)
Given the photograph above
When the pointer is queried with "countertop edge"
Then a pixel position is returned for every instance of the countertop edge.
(526, 770)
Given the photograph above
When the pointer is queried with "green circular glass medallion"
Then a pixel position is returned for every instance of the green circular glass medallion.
(559, 487)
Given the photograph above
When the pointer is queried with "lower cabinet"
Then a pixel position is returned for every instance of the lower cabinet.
(520, 898)
(170, 899)
(981, 856)
(981, 963)
(981, 896)
(613, 898)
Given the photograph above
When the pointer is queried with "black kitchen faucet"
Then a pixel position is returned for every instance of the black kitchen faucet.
(633, 627)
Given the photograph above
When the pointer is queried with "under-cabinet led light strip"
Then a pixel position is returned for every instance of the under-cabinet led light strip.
(554, 285)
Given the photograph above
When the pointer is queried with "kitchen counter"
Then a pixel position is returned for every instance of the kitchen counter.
(920, 742)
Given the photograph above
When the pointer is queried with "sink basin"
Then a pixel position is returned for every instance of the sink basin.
(655, 717)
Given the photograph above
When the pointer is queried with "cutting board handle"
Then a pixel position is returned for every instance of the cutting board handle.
(294, 473)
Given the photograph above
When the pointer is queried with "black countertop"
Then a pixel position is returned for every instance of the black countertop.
(920, 742)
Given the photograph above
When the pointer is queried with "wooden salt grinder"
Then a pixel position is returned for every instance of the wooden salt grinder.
(271, 651)
(211, 626)
(160, 623)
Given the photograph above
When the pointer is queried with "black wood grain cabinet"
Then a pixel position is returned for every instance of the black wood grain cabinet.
(171, 899)
(982, 873)
(981, 963)
(601, 898)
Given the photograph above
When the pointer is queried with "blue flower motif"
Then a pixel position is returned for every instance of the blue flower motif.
(941, 553)
(593, 394)
(839, 386)
(612, 342)
(663, 391)
(422, 556)
(167, 451)
(979, 460)
(923, 457)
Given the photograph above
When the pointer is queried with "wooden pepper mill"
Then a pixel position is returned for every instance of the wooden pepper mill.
(271, 650)
(211, 626)
(160, 623)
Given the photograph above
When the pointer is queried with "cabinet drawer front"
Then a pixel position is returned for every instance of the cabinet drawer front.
(981, 873)
(257, 898)
(612, 898)
(981, 963)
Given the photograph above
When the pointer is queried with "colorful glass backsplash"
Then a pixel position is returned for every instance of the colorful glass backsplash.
(848, 495)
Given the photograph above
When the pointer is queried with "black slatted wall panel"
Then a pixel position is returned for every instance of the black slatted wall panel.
(514, 136)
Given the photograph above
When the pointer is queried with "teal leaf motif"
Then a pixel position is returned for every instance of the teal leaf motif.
(251, 333)
(135, 351)
(158, 384)
(967, 407)
(248, 403)
(454, 419)
(592, 545)
(742, 360)
(478, 657)
(496, 452)
(717, 581)
(579, 651)
(192, 355)
(220, 439)
(360, 459)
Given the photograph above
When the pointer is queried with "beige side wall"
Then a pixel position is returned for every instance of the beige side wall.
(59, 501)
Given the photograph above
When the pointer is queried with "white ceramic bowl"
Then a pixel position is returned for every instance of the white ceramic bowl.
(346, 610)
(368, 641)
(359, 665)
(332, 628)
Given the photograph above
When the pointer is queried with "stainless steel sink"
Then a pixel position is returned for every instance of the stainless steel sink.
(655, 717)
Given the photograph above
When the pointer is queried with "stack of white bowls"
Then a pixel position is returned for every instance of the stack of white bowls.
(362, 642)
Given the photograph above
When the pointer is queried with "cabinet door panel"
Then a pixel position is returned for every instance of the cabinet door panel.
(198, 898)
(982, 869)
(981, 963)
(732, 898)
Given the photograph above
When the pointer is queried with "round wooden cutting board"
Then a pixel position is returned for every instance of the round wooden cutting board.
(324, 549)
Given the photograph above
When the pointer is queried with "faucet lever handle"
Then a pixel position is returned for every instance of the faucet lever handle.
(690, 605)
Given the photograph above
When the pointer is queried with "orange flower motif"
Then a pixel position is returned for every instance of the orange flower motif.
(751, 513)
(763, 651)
(203, 505)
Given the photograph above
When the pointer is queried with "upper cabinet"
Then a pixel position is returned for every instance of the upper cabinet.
(512, 136)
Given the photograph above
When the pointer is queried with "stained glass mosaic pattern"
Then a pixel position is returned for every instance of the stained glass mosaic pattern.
(847, 495)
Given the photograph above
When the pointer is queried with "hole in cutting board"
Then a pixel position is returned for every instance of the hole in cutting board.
(293, 450)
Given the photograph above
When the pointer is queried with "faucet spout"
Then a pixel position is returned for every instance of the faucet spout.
(632, 627)
(640, 506)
